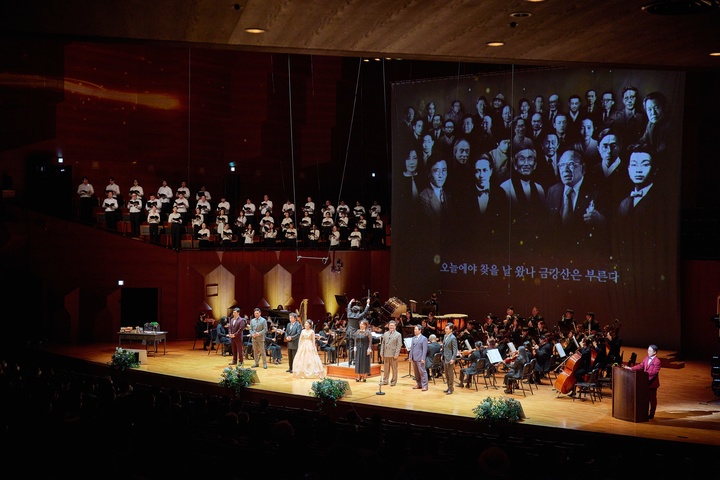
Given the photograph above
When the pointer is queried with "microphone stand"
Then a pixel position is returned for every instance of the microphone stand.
(380, 382)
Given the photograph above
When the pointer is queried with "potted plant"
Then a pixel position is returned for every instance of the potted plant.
(124, 359)
(236, 378)
(328, 391)
(151, 326)
(503, 409)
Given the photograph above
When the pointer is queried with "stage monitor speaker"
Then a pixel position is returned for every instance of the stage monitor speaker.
(341, 300)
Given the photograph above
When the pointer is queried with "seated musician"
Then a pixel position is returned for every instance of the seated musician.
(591, 325)
(502, 343)
(326, 341)
(570, 344)
(470, 333)
(540, 330)
(613, 343)
(202, 330)
(567, 322)
(466, 374)
(490, 368)
(516, 363)
(543, 356)
(429, 325)
(584, 365)
(433, 347)
(223, 340)
(273, 335)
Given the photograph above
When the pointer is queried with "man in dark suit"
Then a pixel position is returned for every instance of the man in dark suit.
(434, 201)
(235, 332)
(449, 353)
(418, 352)
(486, 207)
(292, 337)
(575, 206)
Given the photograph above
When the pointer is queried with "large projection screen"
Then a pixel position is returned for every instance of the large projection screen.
(610, 246)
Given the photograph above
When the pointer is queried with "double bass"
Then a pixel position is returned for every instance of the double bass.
(565, 380)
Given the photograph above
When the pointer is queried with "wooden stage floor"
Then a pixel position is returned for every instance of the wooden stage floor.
(688, 411)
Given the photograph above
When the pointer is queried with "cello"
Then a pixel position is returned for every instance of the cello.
(565, 380)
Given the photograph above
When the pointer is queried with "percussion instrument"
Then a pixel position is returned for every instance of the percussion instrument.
(392, 309)
(457, 319)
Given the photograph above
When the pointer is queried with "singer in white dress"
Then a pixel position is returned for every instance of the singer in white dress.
(307, 363)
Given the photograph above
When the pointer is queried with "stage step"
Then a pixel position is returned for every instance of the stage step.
(343, 370)
(669, 361)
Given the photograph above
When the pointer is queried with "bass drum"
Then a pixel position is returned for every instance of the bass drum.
(392, 309)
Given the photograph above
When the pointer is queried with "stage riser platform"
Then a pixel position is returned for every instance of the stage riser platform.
(342, 370)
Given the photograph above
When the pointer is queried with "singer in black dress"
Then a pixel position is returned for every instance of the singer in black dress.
(363, 351)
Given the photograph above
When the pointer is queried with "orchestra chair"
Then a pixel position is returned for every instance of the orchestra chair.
(213, 341)
(199, 336)
(526, 375)
(481, 370)
(490, 376)
(590, 387)
(437, 367)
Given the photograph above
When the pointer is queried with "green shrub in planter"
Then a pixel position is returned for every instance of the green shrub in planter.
(494, 410)
(236, 378)
(329, 391)
(124, 359)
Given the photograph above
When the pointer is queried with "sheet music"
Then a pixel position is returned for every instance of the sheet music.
(467, 343)
(408, 342)
(560, 350)
(511, 346)
(494, 355)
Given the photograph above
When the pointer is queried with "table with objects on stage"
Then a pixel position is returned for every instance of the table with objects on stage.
(148, 337)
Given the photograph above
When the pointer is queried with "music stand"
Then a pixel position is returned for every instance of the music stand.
(408, 343)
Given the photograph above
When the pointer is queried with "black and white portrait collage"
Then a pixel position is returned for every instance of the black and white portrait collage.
(552, 186)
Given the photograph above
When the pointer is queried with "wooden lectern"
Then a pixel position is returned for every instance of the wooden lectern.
(630, 395)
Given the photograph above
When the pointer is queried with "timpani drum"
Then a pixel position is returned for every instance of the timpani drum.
(392, 309)
(457, 319)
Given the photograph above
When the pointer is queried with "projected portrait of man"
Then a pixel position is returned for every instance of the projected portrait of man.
(434, 200)
(486, 208)
(575, 206)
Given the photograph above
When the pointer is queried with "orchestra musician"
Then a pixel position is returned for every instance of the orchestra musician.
(470, 333)
(567, 322)
(326, 341)
(433, 305)
(584, 365)
(591, 325)
(202, 330)
(272, 343)
(433, 348)
(472, 358)
(509, 317)
(570, 343)
(534, 318)
(516, 363)
(487, 326)
(613, 343)
(539, 330)
(543, 355)
(429, 325)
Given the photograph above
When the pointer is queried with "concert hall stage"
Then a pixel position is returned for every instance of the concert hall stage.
(688, 412)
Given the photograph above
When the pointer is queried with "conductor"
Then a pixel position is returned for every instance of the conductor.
(355, 313)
